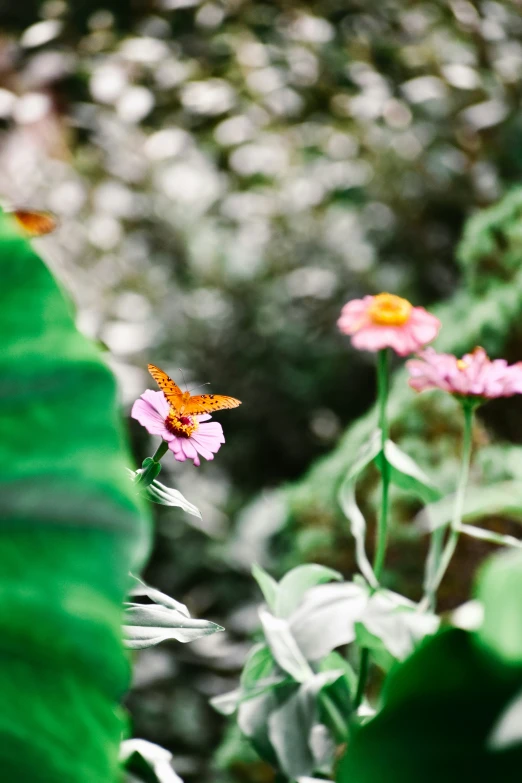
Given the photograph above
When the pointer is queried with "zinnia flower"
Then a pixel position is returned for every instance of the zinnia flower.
(187, 436)
(387, 321)
(475, 375)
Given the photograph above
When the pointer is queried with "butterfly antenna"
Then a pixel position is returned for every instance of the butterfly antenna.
(199, 385)
(183, 376)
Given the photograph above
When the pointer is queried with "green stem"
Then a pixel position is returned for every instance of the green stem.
(364, 664)
(160, 451)
(455, 527)
(151, 467)
(382, 524)
(335, 720)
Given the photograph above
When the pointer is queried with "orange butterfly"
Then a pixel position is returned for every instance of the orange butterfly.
(34, 222)
(186, 403)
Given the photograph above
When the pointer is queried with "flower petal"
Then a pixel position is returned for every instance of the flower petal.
(149, 417)
(158, 401)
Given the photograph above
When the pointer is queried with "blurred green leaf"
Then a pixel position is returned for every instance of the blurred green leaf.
(326, 618)
(395, 621)
(267, 584)
(71, 530)
(150, 762)
(284, 647)
(291, 727)
(260, 674)
(407, 475)
(502, 499)
(499, 589)
(347, 500)
(296, 582)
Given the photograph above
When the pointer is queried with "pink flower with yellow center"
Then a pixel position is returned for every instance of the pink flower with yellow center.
(475, 375)
(387, 321)
(188, 437)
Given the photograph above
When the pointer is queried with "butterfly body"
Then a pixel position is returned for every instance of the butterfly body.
(185, 403)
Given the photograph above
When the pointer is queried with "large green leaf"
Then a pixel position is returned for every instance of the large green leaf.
(70, 531)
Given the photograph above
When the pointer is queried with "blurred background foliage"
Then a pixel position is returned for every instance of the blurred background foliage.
(227, 173)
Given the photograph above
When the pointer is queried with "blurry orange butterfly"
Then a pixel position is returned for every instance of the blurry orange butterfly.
(34, 222)
(186, 403)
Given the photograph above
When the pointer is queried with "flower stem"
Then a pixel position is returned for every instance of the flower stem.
(151, 467)
(382, 524)
(160, 451)
(455, 527)
(364, 663)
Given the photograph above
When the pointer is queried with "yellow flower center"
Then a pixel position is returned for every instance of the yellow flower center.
(462, 365)
(181, 426)
(389, 310)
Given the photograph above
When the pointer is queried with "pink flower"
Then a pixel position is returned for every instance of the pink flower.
(387, 321)
(187, 436)
(475, 375)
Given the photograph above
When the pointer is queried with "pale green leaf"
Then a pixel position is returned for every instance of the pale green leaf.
(406, 474)
(296, 582)
(284, 647)
(267, 585)
(326, 618)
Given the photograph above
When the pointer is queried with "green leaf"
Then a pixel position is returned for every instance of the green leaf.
(326, 618)
(150, 762)
(381, 656)
(260, 674)
(502, 499)
(146, 625)
(158, 493)
(253, 716)
(406, 474)
(70, 531)
(291, 726)
(395, 621)
(296, 582)
(439, 707)
(258, 665)
(267, 584)
(499, 589)
(348, 503)
(507, 731)
(284, 647)
(489, 535)
(336, 662)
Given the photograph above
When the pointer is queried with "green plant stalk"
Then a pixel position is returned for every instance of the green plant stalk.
(151, 466)
(382, 524)
(468, 406)
(160, 451)
(333, 718)
(432, 565)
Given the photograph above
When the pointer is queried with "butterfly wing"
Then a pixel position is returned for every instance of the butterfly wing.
(208, 403)
(34, 222)
(171, 390)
